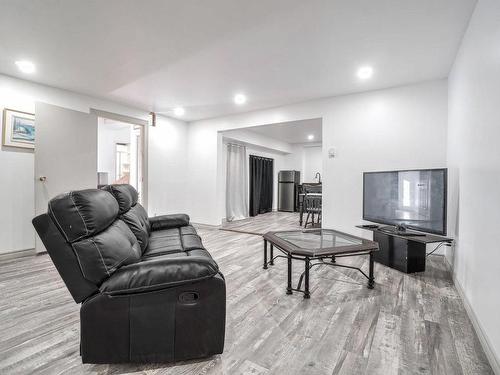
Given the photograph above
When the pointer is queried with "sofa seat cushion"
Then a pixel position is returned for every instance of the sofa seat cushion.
(188, 229)
(174, 232)
(159, 273)
(163, 245)
(167, 241)
(191, 241)
(198, 252)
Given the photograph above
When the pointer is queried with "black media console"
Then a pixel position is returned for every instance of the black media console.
(403, 252)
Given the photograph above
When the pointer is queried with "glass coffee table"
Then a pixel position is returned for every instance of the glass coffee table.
(314, 247)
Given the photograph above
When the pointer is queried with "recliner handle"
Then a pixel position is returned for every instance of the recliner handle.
(189, 297)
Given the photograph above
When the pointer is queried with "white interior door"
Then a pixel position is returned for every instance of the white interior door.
(65, 154)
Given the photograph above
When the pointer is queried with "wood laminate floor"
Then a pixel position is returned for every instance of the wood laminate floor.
(265, 223)
(409, 324)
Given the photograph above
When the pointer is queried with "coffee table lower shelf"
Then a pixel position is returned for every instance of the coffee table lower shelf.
(311, 261)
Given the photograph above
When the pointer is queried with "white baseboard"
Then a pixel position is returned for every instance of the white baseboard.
(483, 339)
(17, 254)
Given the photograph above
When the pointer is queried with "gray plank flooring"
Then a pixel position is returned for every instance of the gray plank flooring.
(265, 223)
(409, 324)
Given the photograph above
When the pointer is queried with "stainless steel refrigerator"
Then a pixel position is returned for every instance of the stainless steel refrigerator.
(288, 185)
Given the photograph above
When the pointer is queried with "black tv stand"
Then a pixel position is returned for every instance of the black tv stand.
(405, 252)
(400, 232)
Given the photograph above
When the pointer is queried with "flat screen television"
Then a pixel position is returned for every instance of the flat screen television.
(414, 199)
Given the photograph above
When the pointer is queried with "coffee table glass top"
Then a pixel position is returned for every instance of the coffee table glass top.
(319, 241)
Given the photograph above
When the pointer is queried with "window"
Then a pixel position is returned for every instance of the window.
(122, 163)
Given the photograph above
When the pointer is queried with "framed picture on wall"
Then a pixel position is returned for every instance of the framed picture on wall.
(18, 129)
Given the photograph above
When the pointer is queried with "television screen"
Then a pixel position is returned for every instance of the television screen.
(414, 198)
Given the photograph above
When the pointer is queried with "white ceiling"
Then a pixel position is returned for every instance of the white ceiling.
(292, 131)
(159, 54)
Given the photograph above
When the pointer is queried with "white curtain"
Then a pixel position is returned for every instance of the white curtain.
(236, 183)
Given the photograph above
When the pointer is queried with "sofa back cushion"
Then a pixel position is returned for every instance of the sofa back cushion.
(131, 212)
(137, 220)
(88, 220)
(64, 258)
(101, 255)
(83, 213)
(126, 196)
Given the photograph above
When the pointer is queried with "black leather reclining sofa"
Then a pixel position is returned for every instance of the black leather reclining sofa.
(149, 290)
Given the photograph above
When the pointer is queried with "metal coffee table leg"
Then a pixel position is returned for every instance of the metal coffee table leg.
(371, 279)
(265, 255)
(306, 281)
(271, 258)
(289, 284)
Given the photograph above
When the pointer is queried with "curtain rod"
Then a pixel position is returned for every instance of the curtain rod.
(261, 157)
(234, 144)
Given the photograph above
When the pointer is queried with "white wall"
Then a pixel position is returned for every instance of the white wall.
(474, 161)
(17, 195)
(166, 157)
(168, 167)
(294, 161)
(17, 192)
(313, 163)
(397, 128)
(306, 158)
(249, 137)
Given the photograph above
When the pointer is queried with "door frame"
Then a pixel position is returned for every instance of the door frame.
(145, 132)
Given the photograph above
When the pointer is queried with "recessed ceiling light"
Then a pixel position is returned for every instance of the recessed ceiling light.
(310, 137)
(240, 99)
(26, 66)
(365, 72)
(179, 111)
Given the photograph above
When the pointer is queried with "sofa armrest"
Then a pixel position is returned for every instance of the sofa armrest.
(159, 273)
(168, 221)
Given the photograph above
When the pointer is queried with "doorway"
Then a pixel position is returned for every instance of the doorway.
(296, 149)
(120, 154)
